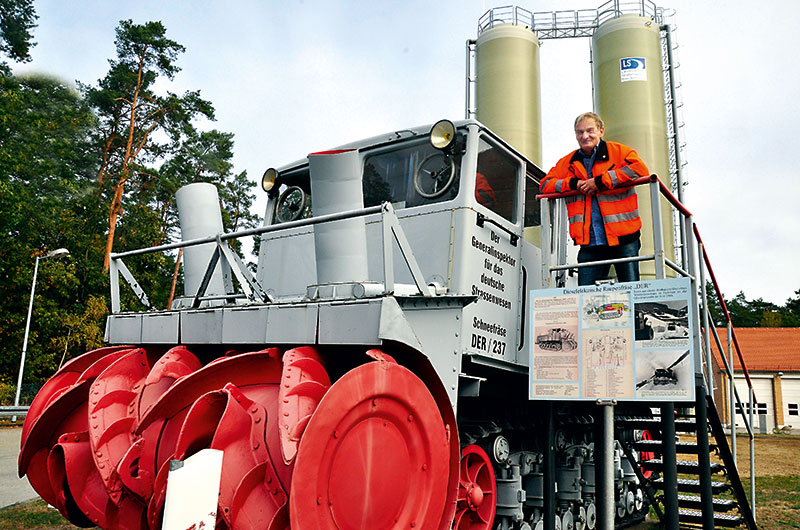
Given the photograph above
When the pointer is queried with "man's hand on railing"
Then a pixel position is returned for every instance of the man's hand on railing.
(587, 187)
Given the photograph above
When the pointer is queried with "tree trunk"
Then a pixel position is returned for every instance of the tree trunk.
(113, 214)
(175, 278)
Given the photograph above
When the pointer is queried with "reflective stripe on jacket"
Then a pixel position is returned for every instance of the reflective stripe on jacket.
(614, 165)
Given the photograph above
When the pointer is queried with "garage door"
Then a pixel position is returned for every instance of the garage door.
(762, 385)
(791, 400)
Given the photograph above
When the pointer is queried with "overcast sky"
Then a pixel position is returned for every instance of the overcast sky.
(292, 77)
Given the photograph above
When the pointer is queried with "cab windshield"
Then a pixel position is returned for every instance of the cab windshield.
(410, 174)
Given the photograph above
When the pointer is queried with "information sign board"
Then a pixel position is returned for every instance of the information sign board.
(627, 341)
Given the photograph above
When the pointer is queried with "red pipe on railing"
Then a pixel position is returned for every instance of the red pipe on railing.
(671, 198)
(725, 310)
(641, 180)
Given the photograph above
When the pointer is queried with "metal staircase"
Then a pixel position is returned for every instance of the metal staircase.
(724, 503)
(692, 491)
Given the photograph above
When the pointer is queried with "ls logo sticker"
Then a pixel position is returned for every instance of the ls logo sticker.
(632, 69)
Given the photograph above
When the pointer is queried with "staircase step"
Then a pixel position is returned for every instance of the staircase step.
(695, 502)
(654, 424)
(689, 467)
(686, 448)
(720, 519)
(693, 486)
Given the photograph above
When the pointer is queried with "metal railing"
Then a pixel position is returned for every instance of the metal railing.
(13, 410)
(550, 277)
(252, 291)
(733, 394)
(616, 8)
(567, 23)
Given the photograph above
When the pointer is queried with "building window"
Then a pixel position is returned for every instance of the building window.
(761, 408)
(794, 410)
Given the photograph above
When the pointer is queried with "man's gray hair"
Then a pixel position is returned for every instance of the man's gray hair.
(589, 115)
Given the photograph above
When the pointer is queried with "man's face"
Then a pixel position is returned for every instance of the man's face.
(588, 134)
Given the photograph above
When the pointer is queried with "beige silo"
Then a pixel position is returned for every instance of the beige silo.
(507, 92)
(629, 95)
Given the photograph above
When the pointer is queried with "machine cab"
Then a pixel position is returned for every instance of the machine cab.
(466, 202)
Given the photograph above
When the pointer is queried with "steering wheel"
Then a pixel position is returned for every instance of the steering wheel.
(291, 204)
(434, 175)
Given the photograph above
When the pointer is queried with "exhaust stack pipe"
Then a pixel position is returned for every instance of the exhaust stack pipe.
(200, 216)
(341, 246)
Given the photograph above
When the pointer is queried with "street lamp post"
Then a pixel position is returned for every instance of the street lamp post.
(54, 254)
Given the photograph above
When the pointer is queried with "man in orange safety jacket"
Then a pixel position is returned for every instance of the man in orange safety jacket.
(604, 217)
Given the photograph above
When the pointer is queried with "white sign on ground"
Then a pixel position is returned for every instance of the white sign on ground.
(193, 491)
(627, 341)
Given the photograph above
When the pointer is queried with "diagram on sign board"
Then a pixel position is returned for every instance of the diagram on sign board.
(607, 310)
(608, 349)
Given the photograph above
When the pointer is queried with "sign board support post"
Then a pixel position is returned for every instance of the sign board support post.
(670, 466)
(703, 460)
(549, 475)
(605, 475)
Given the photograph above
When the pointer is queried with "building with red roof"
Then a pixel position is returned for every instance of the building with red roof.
(772, 358)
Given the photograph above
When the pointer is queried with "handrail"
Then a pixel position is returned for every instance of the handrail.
(729, 370)
(571, 193)
(566, 23)
(251, 231)
(391, 230)
(724, 309)
(658, 258)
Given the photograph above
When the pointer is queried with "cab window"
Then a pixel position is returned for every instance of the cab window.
(496, 180)
(532, 220)
(410, 174)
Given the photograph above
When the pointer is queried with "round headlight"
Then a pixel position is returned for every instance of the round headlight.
(269, 178)
(443, 133)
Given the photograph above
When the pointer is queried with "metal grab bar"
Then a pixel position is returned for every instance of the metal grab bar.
(251, 232)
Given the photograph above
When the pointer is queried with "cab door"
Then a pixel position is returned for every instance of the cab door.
(491, 255)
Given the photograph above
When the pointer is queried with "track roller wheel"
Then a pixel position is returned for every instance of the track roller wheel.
(567, 521)
(375, 454)
(591, 516)
(580, 521)
(646, 455)
(477, 492)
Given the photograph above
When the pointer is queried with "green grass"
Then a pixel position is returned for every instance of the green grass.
(777, 501)
(34, 515)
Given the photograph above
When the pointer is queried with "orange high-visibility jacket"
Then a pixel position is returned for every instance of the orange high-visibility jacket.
(614, 164)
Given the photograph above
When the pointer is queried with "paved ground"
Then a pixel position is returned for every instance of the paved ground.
(12, 488)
